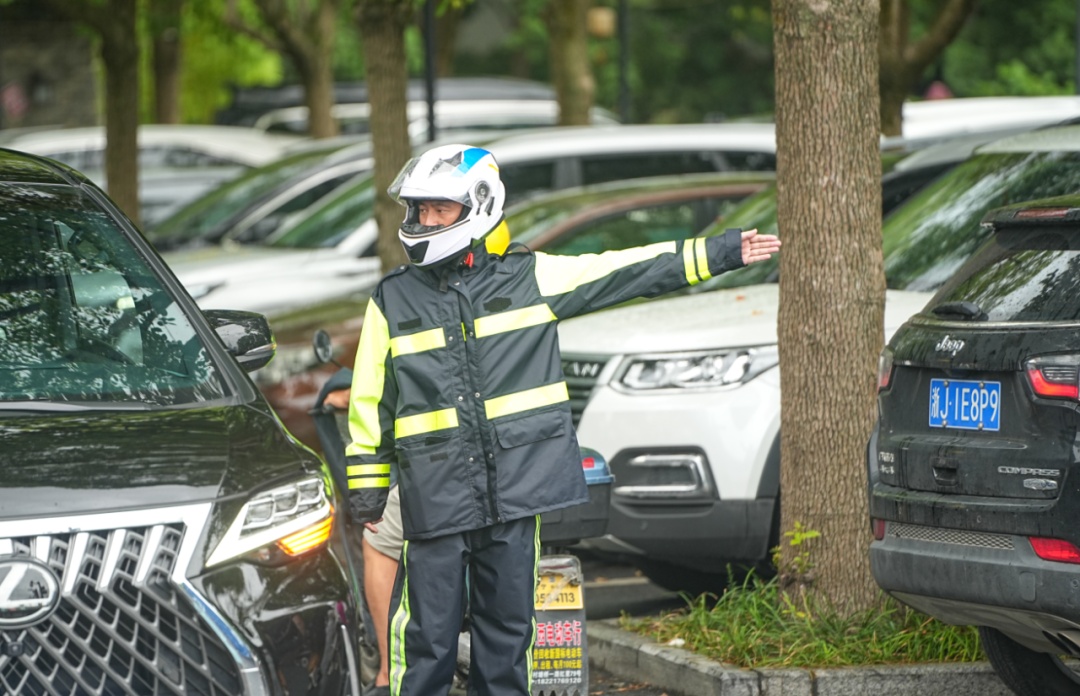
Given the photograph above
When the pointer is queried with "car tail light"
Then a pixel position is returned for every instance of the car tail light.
(885, 370)
(1057, 550)
(878, 526)
(1055, 376)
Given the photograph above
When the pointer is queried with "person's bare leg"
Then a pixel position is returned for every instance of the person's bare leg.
(379, 573)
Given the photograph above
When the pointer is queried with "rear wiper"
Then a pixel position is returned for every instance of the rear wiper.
(965, 310)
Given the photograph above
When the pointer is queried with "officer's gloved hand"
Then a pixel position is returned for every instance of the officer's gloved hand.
(367, 504)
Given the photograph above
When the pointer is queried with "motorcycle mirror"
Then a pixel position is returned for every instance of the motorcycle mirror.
(324, 349)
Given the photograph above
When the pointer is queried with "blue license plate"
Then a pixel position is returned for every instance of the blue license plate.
(966, 404)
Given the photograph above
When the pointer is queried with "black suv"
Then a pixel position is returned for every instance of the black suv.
(974, 466)
(160, 531)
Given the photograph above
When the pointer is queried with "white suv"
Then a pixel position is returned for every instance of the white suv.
(682, 396)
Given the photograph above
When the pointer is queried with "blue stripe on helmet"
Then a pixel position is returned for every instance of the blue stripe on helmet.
(470, 157)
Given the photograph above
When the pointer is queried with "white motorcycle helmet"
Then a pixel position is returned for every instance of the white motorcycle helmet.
(461, 173)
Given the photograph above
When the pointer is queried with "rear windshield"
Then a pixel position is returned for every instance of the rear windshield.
(1020, 276)
(83, 317)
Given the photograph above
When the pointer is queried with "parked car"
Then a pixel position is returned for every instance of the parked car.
(682, 396)
(160, 532)
(252, 206)
(971, 464)
(450, 115)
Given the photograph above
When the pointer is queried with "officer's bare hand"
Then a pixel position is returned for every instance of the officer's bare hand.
(339, 399)
(370, 526)
(758, 247)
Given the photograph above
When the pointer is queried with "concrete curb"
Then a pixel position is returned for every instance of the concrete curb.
(682, 673)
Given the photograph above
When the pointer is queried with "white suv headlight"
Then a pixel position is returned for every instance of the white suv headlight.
(281, 522)
(700, 370)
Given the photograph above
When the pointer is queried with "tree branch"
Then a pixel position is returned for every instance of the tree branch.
(232, 19)
(946, 26)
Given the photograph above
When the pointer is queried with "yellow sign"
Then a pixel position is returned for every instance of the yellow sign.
(557, 592)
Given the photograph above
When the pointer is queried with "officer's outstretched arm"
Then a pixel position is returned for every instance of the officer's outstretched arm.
(573, 285)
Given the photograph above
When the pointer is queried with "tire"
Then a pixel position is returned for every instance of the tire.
(1026, 672)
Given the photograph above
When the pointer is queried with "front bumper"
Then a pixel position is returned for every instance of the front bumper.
(696, 472)
(129, 619)
(981, 579)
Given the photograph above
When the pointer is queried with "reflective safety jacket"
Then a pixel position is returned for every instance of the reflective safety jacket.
(458, 379)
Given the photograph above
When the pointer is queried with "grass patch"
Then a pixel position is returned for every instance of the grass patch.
(755, 625)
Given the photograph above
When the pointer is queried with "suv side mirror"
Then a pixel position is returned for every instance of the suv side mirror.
(246, 335)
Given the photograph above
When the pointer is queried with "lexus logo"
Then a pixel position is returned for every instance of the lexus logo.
(29, 591)
(582, 368)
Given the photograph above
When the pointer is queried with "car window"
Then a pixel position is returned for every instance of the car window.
(926, 240)
(638, 227)
(522, 180)
(1019, 276)
(83, 318)
(304, 199)
(598, 169)
(206, 217)
(332, 219)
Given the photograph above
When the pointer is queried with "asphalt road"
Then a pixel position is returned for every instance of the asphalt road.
(612, 588)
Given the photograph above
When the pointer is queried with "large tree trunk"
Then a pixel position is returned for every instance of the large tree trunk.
(570, 69)
(305, 33)
(115, 22)
(165, 17)
(902, 62)
(382, 29)
(832, 284)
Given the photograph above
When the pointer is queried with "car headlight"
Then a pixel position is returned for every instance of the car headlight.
(700, 370)
(279, 523)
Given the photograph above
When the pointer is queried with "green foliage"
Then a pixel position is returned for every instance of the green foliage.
(755, 624)
(800, 564)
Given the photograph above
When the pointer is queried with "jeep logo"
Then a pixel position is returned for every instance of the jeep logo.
(582, 368)
(948, 345)
(29, 591)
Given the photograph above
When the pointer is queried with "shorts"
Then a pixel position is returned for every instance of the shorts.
(388, 541)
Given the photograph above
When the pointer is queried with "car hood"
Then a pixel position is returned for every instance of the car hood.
(270, 281)
(735, 318)
(96, 461)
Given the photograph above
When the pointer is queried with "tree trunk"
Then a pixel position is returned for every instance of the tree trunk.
(571, 72)
(319, 77)
(167, 59)
(903, 63)
(446, 30)
(832, 284)
(382, 30)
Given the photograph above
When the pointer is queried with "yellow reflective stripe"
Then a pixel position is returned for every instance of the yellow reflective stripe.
(367, 469)
(365, 431)
(369, 482)
(417, 342)
(425, 422)
(398, 623)
(556, 275)
(526, 400)
(513, 320)
(702, 258)
(688, 263)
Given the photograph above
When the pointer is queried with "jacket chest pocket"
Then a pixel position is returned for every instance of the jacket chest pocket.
(534, 427)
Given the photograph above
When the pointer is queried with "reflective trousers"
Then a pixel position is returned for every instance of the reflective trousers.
(494, 570)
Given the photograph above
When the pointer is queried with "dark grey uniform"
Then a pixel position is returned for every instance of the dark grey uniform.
(458, 383)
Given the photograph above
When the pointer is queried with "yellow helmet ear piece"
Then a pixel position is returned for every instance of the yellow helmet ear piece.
(497, 241)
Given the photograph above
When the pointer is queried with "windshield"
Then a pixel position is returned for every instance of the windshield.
(83, 318)
(332, 219)
(927, 239)
(208, 217)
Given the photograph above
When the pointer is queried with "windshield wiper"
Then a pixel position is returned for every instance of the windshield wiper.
(965, 310)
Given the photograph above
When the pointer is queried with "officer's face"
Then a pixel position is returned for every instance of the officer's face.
(439, 213)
